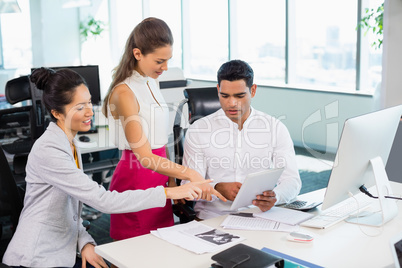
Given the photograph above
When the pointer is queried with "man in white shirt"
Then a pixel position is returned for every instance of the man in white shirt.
(237, 140)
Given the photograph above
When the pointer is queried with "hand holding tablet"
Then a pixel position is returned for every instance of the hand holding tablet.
(255, 184)
(265, 201)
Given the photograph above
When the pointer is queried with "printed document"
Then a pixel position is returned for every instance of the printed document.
(197, 237)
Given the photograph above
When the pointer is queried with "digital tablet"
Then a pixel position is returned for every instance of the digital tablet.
(396, 248)
(255, 184)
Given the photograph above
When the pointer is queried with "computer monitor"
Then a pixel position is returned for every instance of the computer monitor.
(362, 153)
(91, 75)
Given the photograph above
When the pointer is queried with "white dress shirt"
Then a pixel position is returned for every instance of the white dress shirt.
(216, 148)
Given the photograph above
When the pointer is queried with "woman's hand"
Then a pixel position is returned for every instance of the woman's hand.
(207, 189)
(88, 255)
(189, 191)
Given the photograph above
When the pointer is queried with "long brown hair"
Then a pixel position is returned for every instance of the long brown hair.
(148, 35)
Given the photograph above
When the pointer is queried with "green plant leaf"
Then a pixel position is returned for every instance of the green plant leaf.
(373, 20)
(91, 28)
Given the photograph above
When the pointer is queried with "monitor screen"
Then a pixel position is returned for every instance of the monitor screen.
(363, 138)
(91, 75)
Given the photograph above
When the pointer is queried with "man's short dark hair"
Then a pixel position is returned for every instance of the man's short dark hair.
(236, 70)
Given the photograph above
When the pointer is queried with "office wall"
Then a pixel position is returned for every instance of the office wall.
(392, 78)
(56, 38)
(392, 56)
(55, 34)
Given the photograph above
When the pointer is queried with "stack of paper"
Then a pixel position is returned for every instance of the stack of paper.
(285, 215)
(197, 237)
(254, 223)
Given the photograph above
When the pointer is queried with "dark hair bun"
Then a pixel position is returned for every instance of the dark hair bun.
(41, 76)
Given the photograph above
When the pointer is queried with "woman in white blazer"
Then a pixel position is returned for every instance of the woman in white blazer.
(50, 229)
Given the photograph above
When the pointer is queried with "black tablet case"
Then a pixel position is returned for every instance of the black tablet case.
(242, 256)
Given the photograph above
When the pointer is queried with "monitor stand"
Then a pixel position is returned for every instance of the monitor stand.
(388, 208)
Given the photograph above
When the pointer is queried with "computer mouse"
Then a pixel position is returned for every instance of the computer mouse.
(84, 138)
(299, 237)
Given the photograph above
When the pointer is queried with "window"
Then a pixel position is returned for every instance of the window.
(371, 56)
(293, 43)
(304, 44)
(323, 45)
(205, 37)
(157, 8)
(258, 36)
(16, 41)
(127, 15)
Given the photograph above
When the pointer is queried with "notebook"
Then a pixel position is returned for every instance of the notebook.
(396, 249)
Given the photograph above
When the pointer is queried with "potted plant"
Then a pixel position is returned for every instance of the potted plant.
(91, 28)
(373, 20)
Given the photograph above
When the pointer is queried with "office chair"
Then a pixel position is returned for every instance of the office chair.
(11, 201)
(21, 89)
(17, 90)
(201, 102)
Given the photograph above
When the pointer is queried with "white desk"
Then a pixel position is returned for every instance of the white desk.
(98, 142)
(343, 245)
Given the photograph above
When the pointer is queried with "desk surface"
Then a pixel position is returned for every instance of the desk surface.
(98, 141)
(342, 245)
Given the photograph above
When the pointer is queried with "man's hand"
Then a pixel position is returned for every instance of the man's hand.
(228, 189)
(88, 255)
(265, 201)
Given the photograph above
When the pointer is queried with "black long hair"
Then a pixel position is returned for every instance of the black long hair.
(58, 87)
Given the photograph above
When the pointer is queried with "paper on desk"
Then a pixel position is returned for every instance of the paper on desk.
(197, 237)
(284, 215)
(248, 223)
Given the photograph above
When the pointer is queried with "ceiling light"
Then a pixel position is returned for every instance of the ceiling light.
(9, 6)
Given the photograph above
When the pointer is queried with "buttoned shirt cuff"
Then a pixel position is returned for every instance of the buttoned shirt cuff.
(278, 199)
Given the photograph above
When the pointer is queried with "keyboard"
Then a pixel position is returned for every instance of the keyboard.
(336, 214)
(296, 204)
(302, 205)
